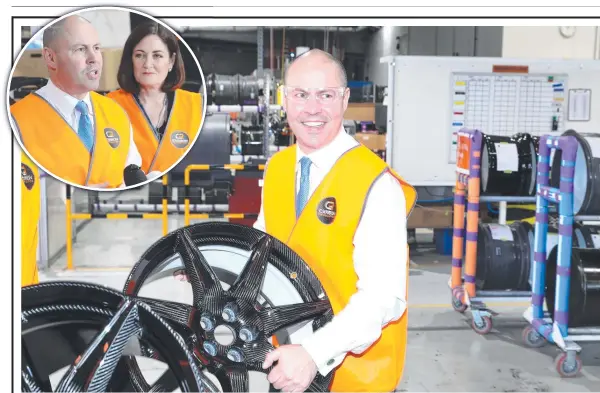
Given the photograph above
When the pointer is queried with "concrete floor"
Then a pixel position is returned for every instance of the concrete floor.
(444, 354)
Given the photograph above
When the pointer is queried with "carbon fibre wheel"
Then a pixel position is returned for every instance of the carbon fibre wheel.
(202, 250)
(87, 329)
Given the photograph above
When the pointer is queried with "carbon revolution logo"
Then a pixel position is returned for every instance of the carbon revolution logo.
(112, 137)
(326, 210)
(180, 139)
(27, 176)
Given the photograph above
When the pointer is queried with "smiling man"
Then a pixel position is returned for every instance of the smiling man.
(71, 131)
(344, 211)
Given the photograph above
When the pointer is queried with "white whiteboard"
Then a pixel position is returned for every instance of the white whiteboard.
(420, 107)
(504, 104)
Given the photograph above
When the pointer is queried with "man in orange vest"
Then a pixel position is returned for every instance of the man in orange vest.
(71, 131)
(343, 210)
(30, 216)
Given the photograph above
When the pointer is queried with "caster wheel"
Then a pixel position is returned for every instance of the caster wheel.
(567, 368)
(457, 305)
(484, 327)
(532, 338)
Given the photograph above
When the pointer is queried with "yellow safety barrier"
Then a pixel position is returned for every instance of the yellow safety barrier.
(164, 216)
(186, 181)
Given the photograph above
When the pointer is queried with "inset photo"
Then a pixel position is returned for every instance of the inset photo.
(106, 98)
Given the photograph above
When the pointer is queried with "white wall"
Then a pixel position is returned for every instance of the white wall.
(422, 102)
(113, 26)
(546, 42)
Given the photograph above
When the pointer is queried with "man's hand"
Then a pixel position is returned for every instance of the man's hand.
(295, 368)
(180, 275)
(153, 175)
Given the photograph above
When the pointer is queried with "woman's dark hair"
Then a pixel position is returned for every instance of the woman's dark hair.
(175, 78)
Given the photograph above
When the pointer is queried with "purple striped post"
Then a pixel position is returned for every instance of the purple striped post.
(473, 190)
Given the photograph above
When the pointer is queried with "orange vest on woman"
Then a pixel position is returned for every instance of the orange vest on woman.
(323, 237)
(30, 216)
(53, 143)
(182, 128)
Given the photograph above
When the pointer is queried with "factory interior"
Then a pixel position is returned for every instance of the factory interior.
(416, 95)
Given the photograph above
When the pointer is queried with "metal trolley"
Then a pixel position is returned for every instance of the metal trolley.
(542, 328)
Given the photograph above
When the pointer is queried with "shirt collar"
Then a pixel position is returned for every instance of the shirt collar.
(327, 155)
(65, 102)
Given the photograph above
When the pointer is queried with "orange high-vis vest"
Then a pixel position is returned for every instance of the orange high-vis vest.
(30, 216)
(182, 127)
(323, 237)
(54, 144)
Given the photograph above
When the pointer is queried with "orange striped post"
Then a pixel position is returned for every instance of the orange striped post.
(458, 234)
(468, 169)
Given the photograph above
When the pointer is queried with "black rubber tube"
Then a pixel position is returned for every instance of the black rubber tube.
(495, 179)
(503, 264)
(584, 289)
(587, 173)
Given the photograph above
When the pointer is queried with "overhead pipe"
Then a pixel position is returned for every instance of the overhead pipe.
(271, 50)
(240, 108)
(283, 54)
(351, 29)
(597, 43)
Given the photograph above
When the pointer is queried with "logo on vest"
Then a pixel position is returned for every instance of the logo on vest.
(27, 176)
(326, 210)
(112, 137)
(180, 139)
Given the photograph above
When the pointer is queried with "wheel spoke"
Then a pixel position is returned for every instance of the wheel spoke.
(234, 379)
(165, 383)
(283, 316)
(320, 383)
(204, 280)
(179, 313)
(249, 283)
(93, 370)
(255, 354)
(31, 380)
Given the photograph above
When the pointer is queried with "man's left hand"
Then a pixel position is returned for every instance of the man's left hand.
(295, 368)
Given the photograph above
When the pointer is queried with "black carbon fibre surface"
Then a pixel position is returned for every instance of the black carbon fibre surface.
(242, 295)
(96, 365)
(232, 235)
(56, 313)
(248, 285)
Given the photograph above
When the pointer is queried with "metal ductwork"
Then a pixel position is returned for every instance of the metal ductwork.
(235, 89)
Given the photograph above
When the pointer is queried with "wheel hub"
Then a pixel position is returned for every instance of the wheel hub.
(236, 310)
(231, 332)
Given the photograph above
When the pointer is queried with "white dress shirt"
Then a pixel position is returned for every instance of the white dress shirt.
(380, 262)
(65, 104)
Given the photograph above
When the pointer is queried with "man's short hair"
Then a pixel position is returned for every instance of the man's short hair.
(52, 32)
(341, 70)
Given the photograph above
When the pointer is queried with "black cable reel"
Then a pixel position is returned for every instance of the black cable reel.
(269, 293)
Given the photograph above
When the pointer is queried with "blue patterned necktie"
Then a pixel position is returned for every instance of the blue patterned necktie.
(85, 130)
(302, 196)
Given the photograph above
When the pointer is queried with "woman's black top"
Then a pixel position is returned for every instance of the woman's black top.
(159, 132)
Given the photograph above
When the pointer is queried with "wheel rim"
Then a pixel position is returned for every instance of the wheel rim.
(58, 312)
(569, 368)
(484, 325)
(236, 308)
(534, 337)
